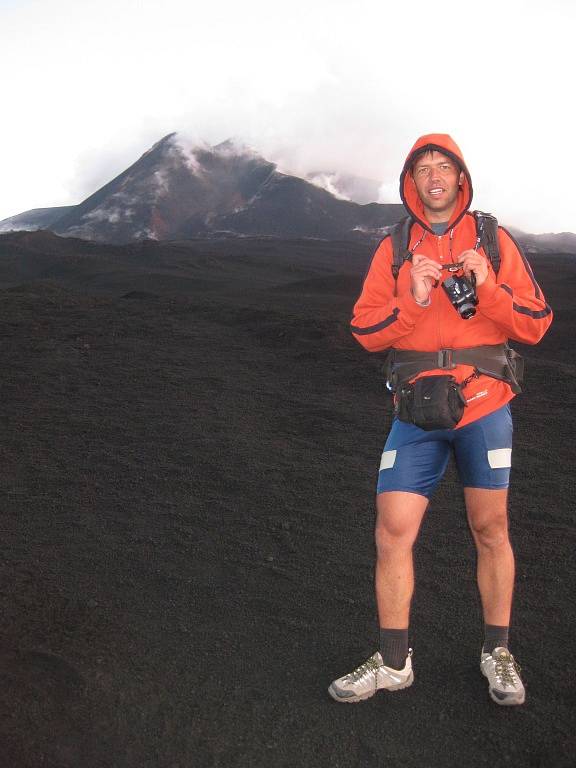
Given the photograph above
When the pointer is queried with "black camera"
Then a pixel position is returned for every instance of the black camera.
(462, 295)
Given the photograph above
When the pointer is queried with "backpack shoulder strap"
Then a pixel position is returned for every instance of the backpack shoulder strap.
(487, 234)
(400, 234)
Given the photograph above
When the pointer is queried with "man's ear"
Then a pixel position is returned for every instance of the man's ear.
(461, 179)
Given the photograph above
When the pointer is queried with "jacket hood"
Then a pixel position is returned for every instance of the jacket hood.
(440, 142)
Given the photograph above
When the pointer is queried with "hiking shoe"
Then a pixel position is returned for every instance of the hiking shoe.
(504, 684)
(370, 677)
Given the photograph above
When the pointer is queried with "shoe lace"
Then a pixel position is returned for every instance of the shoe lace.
(371, 665)
(507, 670)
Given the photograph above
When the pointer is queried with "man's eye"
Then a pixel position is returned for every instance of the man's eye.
(422, 171)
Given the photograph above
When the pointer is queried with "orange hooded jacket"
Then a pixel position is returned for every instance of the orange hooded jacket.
(510, 305)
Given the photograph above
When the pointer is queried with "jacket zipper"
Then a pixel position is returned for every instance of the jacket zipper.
(438, 313)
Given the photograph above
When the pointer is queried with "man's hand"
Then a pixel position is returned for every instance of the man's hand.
(472, 261)
(423, 275)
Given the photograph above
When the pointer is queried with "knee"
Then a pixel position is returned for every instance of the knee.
(393, 539)
(491, 534)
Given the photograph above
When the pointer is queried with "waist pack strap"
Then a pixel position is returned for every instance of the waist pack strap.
(496, 360)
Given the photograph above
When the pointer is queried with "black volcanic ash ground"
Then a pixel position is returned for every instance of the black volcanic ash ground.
(190, 439)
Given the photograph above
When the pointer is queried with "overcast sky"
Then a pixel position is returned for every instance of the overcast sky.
(89, 85)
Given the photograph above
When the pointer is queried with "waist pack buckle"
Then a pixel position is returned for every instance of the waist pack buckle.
(445, 360)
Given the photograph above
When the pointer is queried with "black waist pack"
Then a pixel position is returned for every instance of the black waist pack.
(431, 402)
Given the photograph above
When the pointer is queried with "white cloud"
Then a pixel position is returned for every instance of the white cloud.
(329, 182)
(88, 87)
(389, 192)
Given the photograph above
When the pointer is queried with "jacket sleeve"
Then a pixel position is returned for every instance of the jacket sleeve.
(379, 318)
(513, 299)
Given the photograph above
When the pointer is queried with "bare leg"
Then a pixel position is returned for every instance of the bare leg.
(488, 520)
(399, 515)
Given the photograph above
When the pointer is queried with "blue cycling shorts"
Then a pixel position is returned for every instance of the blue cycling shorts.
(415, 460)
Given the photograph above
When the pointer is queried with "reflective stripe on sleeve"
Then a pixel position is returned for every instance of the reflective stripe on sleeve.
(378, 327)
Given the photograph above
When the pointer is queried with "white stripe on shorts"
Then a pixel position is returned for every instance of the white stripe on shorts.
(500, 458)
(388, 460)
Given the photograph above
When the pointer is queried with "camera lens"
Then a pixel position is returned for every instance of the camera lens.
(462, 296)
(467, 311)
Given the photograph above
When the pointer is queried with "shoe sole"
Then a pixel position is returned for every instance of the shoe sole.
(508, 702)
(355, 699)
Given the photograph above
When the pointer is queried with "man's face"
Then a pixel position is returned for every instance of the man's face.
(437, 178)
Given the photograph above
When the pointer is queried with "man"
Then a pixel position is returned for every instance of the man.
(412, 311)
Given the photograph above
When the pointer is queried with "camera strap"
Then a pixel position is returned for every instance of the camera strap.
(486, 238)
